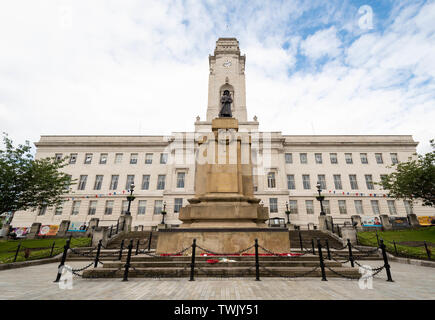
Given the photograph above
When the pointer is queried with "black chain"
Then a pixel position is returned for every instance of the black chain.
(372, 269)
(342, 275)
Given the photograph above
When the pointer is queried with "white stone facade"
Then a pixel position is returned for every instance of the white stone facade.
(226, 73)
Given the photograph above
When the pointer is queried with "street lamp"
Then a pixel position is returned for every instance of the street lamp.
(320, 198)
(287, 212)
(130, 198)
(163, 212)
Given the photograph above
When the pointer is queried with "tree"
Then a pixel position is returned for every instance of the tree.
(413, 180)
(26, 182)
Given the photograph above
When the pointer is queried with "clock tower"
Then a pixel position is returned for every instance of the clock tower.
(227, 72)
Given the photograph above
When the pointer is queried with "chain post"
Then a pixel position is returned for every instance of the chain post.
(192, 264)
(300, 242)
(312, 245)
(52, 248)
(349, 246)
(386, 265)
(327, 249)
(120, 250)
(97, 257)
(322, 265)
(62, 262)
(16, 252)
(127, 264)
(149, 241)
(395, 248)
(427, 250)
(257, 263)
(137, 247)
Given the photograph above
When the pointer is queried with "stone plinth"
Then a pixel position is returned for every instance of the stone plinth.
(223, 240)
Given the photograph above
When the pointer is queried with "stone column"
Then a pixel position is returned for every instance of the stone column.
(63, 228)
(413, 221)
(125, 221)
(93, 223)
(357, 219)
(385, 222)
(329, 223)
(348, 232)
(323, 222)
(34, 229)
(100, 233)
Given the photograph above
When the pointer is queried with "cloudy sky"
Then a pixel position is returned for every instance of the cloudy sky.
(141, 67)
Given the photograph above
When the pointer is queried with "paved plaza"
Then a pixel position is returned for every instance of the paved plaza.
(410, 282)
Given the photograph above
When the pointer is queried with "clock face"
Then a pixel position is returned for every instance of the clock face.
(227, 63)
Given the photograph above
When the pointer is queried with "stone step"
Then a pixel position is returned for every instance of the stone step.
(216, 272)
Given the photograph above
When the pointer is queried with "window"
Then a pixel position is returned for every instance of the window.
(364, 159)
(114, 182)
(158, 206)
(124, 206)
(163, 158)
(408, 206)
(92, 207)
(178, 203)
(310, 206)
(180, 179)
(326, 207)
(333, 157)
(118, 158)
(337, 182)
(293, 206)
(348, 158)
(88, 158)
(322, 180)
(375, 206)
(359, 207)
(42, 211)
(273, 205)
(379, 159)
(103, 158)
(109, 207)
(394, 159)
(306, 181)
(82, 182)
(392, 207)
(58, 156)
(98, 182)
(369, 181)
(148, 158)
(291, 182)
(58, 210)
(133, 158)
(68, 183)
(145, 182)
(342, 206)
(161, 182)
(318, 157)
(142, 205)
(353, 182)
(75, 208)
(130, 181)
(271, 180)
(288, 158)
(303, 158)
(72, 158)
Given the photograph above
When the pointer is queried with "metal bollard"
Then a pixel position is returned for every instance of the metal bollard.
(322, 265)
(257, 263)
(149, 241)
(137, 247)
(127, 263)
(327, 249)
(427, 250)
(16, 252)
(395, 248)
(312, 245)
(97, 257)
(120, 250)
(349, 246)
(62, 262)
(300, 242)
(386, 265)
(192, 263)
(52, 248)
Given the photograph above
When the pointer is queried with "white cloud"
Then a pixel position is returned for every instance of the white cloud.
(322, 43)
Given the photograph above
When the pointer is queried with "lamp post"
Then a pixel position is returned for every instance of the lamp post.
(163, 212)
(130, 198)
(320, 198)
(287, 212)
